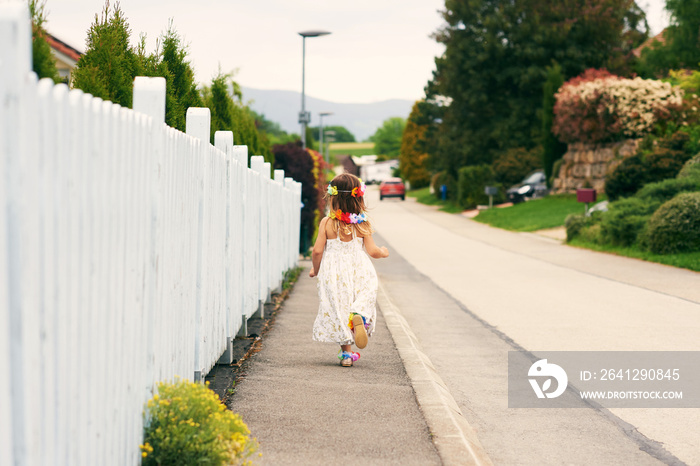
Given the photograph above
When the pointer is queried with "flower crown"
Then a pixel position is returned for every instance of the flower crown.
(347, 217)
(355, 192)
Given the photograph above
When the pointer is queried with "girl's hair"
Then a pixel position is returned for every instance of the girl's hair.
(347, 203)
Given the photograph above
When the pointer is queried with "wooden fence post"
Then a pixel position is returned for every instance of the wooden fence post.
(240, 194)
(283, 210)
(223, 140)
(257, 164)
(198, 126)
(17, 424)
(149, 97)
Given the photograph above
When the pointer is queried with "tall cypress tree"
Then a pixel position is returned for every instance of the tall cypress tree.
(43, 62)
(110, 64)
(552, 148)
(490, 77)
(229, 114)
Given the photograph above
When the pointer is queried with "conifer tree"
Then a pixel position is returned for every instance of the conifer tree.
(43, 62)
(490, 77)
(412, 161)
(229, 114)
(110, 64)
(552, 148)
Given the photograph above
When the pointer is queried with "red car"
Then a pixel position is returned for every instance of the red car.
(392, 187)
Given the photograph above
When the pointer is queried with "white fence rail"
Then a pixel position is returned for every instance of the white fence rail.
(130, 253)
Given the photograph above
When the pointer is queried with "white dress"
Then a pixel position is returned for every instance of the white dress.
(347, 283)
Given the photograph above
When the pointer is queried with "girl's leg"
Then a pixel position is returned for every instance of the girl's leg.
(346, 351)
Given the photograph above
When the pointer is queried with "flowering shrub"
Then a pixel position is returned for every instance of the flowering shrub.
(600, 107)
(187, 424)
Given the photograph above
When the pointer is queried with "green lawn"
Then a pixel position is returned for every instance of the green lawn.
(551, 212)
(538, 214)
(357, 149)
(424, 197)
(690, 260)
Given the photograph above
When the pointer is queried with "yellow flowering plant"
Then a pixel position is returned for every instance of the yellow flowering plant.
(186, 423)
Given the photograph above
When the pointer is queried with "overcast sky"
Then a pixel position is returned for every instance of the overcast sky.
(378, 49)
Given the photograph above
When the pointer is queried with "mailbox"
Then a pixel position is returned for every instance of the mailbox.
(585, 195)
(491, 190)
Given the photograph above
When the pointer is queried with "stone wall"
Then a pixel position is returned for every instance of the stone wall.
(587, 165)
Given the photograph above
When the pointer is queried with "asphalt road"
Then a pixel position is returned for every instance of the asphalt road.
(471, 293)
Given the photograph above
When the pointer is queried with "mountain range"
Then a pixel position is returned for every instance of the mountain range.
(362, 120)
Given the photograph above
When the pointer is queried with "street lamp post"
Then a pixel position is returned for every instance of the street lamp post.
(320, 132)
(304, 116)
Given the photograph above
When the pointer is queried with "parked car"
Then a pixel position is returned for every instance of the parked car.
(533, 186)
(392, 187)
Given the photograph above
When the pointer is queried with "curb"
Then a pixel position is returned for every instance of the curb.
(454, 438)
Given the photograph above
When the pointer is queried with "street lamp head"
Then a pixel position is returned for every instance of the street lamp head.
(325, 114)
(313, 33)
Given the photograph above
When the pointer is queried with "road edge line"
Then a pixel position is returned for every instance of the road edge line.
(454, 438)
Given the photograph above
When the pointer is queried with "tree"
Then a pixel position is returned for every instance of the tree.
(489, 79)
(299, 165)
(387, 139)
(109, 65)
(342, 134)
(412, 160)
(180, 82)
(552, 148)
(43, 62)
(681, 41)
(229, 114)
(170, 62)
(272, 130)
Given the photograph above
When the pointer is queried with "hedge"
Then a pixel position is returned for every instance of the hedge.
(675, 226)
(472, 180)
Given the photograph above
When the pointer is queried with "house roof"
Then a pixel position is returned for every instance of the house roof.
(660, 37)
(63, 48)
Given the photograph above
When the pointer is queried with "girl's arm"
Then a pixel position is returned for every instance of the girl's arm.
(319, 247)
(373, 250)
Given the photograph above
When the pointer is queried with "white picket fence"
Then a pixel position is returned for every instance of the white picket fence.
(130, 253)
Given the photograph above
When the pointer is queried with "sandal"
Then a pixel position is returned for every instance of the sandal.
(359, 328)
(347, 358)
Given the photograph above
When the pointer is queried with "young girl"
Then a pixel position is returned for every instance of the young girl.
(347, 286)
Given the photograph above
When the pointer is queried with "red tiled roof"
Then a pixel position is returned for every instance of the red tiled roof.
(62, 47)
(660, 37)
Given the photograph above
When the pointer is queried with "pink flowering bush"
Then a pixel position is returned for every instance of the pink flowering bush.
(601, 107)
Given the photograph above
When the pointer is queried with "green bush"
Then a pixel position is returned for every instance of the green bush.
(662, 191)
(675, 226)
(187, 424)
(511, 166)
(652, 162)
(574, 223)
(627, 178)
(591, 233)
(472, 181)
(555, 172)
(625, 219)
(691, 168)
(444, 178)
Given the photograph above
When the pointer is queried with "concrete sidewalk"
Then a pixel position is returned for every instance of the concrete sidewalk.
(305, 409)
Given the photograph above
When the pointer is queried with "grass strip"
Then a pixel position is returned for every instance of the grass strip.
(688, 260)
(537, 214)
(424, 197)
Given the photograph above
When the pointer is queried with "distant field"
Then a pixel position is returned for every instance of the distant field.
(349, 148)
(337, 146)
